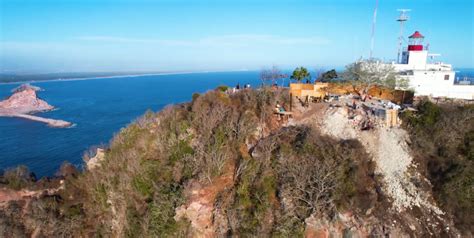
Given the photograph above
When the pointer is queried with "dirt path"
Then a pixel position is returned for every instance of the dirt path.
(7, 195)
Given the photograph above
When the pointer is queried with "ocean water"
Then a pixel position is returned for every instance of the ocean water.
(99, 108)
(467, 74)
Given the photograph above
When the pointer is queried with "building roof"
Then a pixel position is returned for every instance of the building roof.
(417, 34)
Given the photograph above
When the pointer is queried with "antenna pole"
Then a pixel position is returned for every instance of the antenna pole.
(400, 42)
(402, 19)
(373, 29)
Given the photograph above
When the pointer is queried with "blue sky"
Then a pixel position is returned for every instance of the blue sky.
(106, 35)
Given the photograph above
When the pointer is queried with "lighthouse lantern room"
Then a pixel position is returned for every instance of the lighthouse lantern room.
(415, 54)
(415, 42)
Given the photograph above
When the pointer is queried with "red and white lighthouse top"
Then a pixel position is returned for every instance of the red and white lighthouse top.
(416, 35)
(416, 42)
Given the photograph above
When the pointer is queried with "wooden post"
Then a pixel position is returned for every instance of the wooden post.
(291, 102)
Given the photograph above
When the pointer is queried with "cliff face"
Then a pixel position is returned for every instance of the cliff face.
(23, 101)
(225, 165)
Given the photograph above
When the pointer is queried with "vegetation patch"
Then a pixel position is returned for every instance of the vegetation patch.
(442, 138)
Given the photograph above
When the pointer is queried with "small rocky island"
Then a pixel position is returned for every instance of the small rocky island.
(24, 101)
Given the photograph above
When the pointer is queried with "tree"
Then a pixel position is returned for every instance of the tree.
(310, 182)
(365, 74)
(301, 73)
(328, 76)
(272, 75)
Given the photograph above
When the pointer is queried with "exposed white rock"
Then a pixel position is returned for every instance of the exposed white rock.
(95, 161)
(390, 151)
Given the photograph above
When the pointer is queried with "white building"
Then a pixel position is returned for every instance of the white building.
(429, 79)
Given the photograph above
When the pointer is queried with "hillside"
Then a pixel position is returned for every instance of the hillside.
(225, 165)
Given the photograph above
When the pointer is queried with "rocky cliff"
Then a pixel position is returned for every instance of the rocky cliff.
(24, 100)
(226, 165)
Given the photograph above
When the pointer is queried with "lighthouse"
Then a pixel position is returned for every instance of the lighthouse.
(415, 55)
(435, 79)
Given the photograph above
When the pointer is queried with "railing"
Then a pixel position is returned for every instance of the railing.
(465, 81)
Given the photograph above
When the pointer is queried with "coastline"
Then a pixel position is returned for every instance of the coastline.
(119, 76)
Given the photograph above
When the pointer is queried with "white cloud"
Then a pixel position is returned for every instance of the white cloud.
(224, 40)
(113, 39)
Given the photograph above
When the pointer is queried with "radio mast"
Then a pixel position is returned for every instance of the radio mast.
(402, 19)
(373, 29)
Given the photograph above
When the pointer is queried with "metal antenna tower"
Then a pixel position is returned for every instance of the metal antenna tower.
(373, 29)
(402, 19)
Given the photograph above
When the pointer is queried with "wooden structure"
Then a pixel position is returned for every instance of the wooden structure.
(283, 115)
(391, 118)
(302, 90)
(397, 96)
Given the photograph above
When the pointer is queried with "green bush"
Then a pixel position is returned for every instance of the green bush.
(195, 96)
(143, 185)
(18, 178)
(180, 150)
(428, 114)
(254, 192)
(222, 88)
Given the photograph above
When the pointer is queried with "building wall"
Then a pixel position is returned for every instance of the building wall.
(436, 80)
(417, 59)
(439, 84)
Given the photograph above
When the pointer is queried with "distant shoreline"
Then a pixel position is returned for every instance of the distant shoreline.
(118, 76)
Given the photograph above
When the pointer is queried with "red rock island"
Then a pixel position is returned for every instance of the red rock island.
(24, 101)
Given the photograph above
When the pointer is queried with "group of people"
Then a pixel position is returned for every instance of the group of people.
(237, 87)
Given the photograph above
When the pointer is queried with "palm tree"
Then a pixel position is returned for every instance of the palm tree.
(301, 73)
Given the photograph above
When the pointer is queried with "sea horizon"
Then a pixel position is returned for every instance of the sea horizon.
(115, 76)
(464, 71)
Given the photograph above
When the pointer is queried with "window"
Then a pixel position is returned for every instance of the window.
(446, 77)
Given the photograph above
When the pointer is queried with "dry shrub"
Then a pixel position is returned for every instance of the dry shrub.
(442, 138)
(18, 178)
(320, 174)
(296, 172)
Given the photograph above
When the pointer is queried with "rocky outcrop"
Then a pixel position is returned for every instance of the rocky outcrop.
(95, 161)
(200, 208)
(24, 101)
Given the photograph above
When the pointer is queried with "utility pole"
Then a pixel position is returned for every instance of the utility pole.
(373, 29)
(402, 19)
